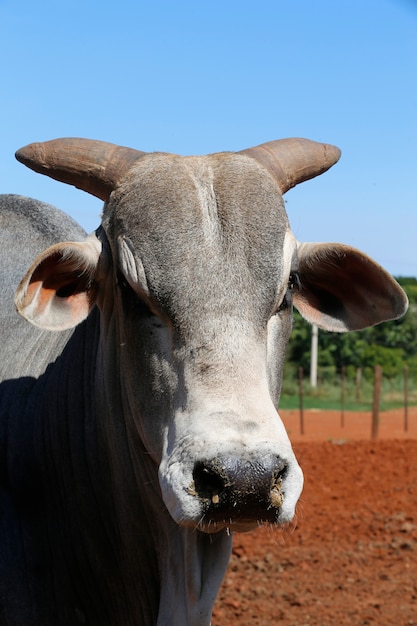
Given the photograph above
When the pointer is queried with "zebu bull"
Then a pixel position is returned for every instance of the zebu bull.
(138, 437)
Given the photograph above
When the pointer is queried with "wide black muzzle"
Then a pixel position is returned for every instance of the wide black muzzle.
(239, 491)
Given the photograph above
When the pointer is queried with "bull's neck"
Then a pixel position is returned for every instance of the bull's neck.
(190, 564)
(193, 566)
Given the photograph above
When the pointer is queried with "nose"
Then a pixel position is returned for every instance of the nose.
(239, 490)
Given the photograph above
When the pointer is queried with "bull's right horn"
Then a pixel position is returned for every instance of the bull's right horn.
(93, 166)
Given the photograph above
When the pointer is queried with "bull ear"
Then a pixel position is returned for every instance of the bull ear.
(59, 289)
(343, 289)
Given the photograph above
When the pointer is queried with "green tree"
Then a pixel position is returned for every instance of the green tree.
(391, 345)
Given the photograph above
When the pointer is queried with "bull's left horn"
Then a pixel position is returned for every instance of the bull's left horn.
(93, 166)
(292, 161)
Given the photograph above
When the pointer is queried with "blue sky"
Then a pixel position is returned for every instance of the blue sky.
(199, 77)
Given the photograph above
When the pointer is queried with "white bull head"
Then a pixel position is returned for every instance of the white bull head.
(195, 270)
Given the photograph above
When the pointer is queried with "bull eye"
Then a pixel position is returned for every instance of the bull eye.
(122, 282)
(124, 286)
(293, 283)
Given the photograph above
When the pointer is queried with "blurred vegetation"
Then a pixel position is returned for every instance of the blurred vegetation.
(392, 345)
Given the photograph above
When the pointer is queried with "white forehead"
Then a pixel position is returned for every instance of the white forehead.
(206, 235)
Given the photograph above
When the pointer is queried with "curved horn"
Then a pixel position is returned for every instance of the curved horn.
(291, 161)
(93, 166)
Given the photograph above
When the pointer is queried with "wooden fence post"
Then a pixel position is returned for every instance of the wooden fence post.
(406, 398)
(377, 400)
(358, 383)
(300, 391)
(342, 397)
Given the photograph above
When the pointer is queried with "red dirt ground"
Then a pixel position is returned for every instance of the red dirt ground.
(350, 558)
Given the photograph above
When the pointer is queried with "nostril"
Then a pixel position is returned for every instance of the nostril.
(209, 481)
(276, 495)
